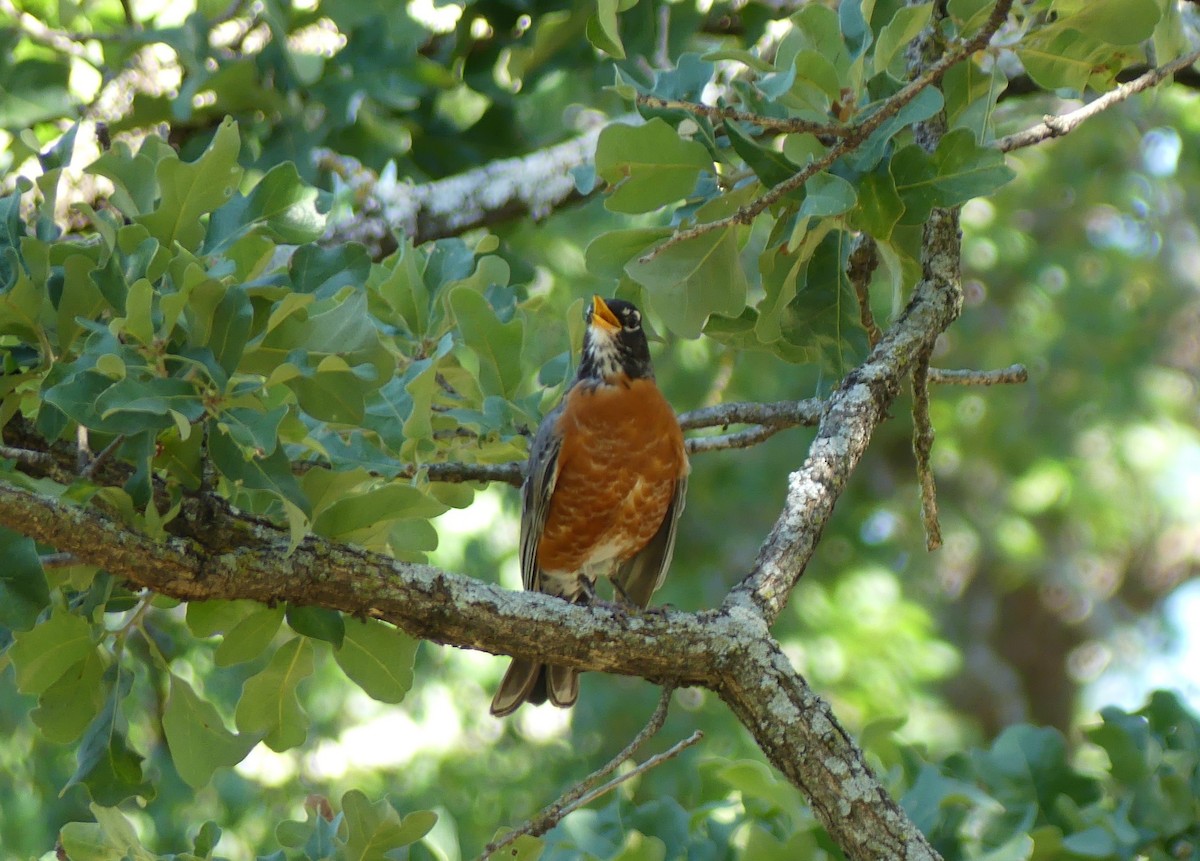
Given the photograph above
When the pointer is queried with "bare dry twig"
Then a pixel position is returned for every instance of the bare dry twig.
(1057, 126)
(966, 377)
(582, 793)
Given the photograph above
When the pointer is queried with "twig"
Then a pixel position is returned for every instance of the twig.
(509, 473)
(582, 792)
(27, 457)
(922, 447)
(1057, 126)
(741, 439)
(966, 377)
(787, 125)
(864, 260)
(852, 140)
(99, 460)
(60, 560)
(783, 413)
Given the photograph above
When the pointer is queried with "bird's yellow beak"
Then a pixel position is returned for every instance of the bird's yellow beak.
(603, 317)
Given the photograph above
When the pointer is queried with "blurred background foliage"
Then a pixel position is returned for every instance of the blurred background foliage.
(1070, 505)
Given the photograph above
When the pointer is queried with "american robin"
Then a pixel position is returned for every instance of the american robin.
(605, 487)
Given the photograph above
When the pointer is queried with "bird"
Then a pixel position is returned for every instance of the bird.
(605, 485)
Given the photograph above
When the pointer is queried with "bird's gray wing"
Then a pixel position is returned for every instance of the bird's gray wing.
(639, 577)
(540, 477)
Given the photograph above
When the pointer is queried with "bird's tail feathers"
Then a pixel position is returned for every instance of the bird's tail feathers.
(534, 683)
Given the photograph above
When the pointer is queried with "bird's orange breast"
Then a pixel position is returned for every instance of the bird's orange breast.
(622, 453)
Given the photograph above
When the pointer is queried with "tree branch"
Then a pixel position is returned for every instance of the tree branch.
(1057, 126)
(854, 137)
(579, 795)
(787, 125)
(218, 553)
(536, 184)
(923, 449)
(960, 377)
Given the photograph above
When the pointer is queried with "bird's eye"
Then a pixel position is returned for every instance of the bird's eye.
(632, 320)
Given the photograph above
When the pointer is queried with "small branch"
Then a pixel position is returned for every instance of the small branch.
(715, 115)
(536, 184)
(60, 560)
(922, 448)
(781, 413)
(26, 457)
(108, 451)
(741, 439)
(853, 138)
(1057, 126)
(509, 473)
(580, 794)
(1010, 375)
(864, 260)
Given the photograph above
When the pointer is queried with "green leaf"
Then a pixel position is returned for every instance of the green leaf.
(249, 637)
(105, 764)
(1030, 763)
(24, 593)
(498, 345)
(826, 194)
(197, 737)
(281, 206)
(651, 163)
(81, 297)
(318, 623)
(364, 510)
(693, 279)
(906, 25)
(268, 704)
(603, 31)
(927, 103)
(958, 171)
(191, 190)
(1126, 739)
(1118, 22)
(43, 654)
(967, 11)
(608, 253)
(378, 658)
(132, 405)
(110, 836)
(1062, 58)
(324, 271)
(67, 707)
(879, 205)
(34, 91)
(230, 328)
(272, 473)
(209, 618)
(133, 174)
(374, 830)
(771, 167)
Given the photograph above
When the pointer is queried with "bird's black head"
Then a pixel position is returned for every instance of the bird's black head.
(614, 343)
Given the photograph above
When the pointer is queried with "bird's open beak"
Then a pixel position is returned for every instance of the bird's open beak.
(603, 317)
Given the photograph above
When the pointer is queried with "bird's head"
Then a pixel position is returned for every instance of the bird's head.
(614, 344)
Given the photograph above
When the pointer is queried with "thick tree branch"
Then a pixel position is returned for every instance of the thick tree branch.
(220, 554)
(791, 718)
(536, 184)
